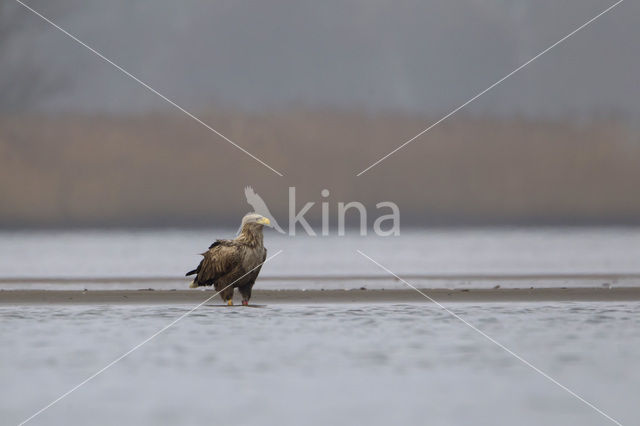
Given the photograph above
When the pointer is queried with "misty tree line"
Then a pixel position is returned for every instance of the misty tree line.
(24, 82)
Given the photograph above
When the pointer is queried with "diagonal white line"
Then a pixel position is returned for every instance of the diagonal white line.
(500, 345)
(491, 87)
(146, 86)
(138, 346)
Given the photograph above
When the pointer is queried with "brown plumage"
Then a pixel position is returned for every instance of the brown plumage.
(234, 263)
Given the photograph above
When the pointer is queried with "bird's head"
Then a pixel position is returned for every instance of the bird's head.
(256, 218)
(252, 225)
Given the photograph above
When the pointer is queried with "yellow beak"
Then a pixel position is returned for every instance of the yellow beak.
(264, 221)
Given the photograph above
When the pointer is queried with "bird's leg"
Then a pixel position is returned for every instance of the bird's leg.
(246, 294)
(226, 294)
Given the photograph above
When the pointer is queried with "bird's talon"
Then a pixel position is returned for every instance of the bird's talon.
(230, 302)
(245, 303)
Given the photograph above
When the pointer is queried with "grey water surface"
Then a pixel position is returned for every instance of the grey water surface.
(320, 364)
(460, 257)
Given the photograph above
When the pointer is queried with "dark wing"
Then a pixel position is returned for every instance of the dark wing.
(216, 243)
(219, 260)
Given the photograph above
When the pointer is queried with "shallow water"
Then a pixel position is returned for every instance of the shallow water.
(321, 364)
(170, 253)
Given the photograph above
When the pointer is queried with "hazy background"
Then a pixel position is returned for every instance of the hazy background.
(319, 90)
